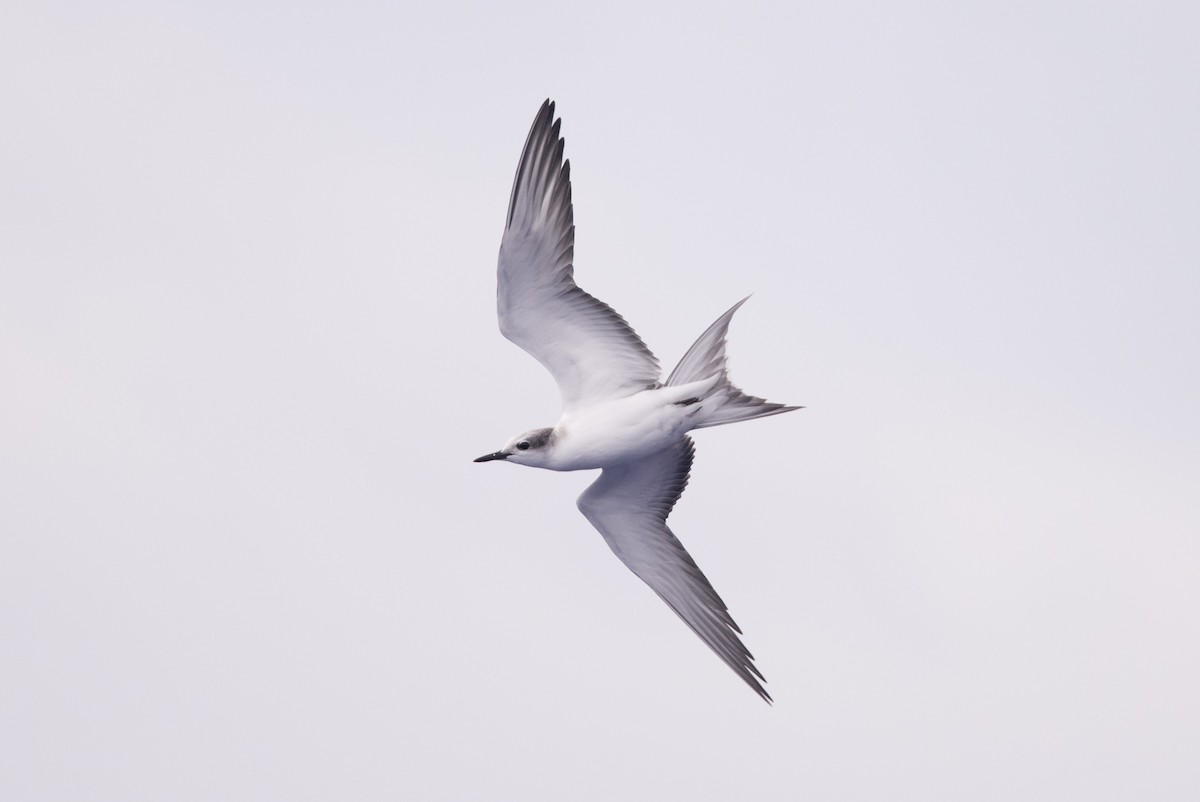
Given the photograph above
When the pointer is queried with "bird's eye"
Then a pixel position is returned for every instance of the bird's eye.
(523, 445)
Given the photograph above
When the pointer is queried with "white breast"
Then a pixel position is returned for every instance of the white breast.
(625, 429)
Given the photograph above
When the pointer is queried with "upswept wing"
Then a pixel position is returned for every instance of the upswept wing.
(593, 354)
(629, 505)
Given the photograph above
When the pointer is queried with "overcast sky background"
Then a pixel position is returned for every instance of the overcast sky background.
(248, 350)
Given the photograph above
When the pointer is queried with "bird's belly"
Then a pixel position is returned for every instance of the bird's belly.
(615, 436)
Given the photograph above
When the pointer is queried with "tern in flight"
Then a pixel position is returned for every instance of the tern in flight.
(616, 413)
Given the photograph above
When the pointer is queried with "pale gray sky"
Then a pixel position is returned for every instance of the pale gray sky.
(248, 351)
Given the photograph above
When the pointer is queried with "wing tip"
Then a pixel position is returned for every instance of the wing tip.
(541, 159)
(543, 120)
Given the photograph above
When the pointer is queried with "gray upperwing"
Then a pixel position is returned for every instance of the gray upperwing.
(629, 505)
(593, 354)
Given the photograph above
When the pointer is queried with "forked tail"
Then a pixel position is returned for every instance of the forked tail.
(706, 358)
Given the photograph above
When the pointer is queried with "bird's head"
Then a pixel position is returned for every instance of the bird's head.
(528, 448)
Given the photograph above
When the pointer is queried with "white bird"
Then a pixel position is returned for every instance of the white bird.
(616, 414)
